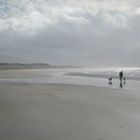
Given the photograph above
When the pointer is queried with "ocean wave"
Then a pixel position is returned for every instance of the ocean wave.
(129, 73)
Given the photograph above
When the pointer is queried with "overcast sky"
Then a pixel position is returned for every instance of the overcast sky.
(85, 32)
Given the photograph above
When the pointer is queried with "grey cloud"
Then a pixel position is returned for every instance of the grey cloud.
(32, 15)
(94, 32)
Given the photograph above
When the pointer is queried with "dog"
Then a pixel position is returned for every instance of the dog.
(110, 80)
(124, 80)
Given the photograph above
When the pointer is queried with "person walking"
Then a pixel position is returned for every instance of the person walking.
(121, 75)
(121, 78)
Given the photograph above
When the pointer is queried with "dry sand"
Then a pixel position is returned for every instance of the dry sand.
(68, 112)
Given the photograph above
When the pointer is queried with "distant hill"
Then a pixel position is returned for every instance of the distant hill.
(10, 66)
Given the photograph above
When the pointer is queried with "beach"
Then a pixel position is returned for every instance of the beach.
(68, 112)
(69, 70)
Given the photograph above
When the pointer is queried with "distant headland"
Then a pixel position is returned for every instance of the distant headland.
(13, 66)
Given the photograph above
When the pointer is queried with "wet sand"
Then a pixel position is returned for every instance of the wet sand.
(68, 112)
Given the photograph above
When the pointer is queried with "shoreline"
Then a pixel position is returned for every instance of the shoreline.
(79, 81)
(54, 76)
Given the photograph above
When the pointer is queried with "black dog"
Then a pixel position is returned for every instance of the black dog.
(110, 80)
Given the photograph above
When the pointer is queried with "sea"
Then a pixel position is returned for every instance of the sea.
(92, 76)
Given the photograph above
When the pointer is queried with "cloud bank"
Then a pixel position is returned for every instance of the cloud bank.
(34, 15)
(62, 31)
